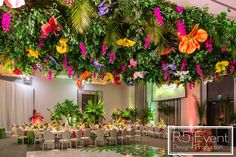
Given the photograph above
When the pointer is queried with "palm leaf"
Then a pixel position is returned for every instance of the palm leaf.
(81, 13)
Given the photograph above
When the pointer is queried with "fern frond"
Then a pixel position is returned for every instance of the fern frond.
(81, 15)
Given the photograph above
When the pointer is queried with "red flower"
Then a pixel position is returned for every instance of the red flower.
(17, 72)
(52, 26)
(117, 80)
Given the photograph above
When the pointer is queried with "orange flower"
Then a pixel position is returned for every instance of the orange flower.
(189, 43)
(82, 77)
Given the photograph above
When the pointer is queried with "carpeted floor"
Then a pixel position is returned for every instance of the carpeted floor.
(8, 149)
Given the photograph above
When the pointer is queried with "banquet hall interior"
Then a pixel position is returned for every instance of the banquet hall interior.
(119, 78)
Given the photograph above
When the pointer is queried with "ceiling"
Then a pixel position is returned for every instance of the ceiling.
(215, 6)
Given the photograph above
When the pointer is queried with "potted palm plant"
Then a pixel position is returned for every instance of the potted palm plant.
(94, 110)
(67, 109)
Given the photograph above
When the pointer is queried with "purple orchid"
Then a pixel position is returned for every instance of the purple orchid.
(129, 83)
(53, 59)
(104, 9)
(98, 66)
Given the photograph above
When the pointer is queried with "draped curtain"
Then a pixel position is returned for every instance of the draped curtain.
(16, 103)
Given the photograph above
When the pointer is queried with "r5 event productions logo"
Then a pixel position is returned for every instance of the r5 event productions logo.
(200, 140)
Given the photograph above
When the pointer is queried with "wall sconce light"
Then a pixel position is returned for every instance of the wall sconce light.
(27, 80)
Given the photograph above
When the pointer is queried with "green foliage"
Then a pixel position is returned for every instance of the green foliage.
(94, 111)
(127, 19)
(127, 114)
(147, 115)
(66, 109)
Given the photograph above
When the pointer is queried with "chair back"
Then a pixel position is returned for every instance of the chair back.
(66, 135)
(48, 135)
(20, 132)
(132, 132)
(123, 132)
(79, 134)
(113, 133)
(100, 134)
(87, 132)
(14, 130)
(36, 134)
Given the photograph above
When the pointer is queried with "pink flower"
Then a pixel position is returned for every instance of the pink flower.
(65, 62)
(69, 1)
(159, 18)
(132, 63)
(191, 85)
(224, 48)
(179, 9)
(104, 48)
(6, 20)
(112, 57)
(40, 43)
(232, 66)
(70, 70)
(123, 67)
(184, 61)
(199, 71)
(82, 48)
(50, 75)
(181, 28)
(208, 44)
(147, 41)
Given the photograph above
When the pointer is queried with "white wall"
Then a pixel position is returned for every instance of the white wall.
(49, 93)
(188, 113)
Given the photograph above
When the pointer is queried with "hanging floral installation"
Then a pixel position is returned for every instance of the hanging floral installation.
(116, 41)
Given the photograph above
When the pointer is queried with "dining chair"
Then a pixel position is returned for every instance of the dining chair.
(87, 136)
(77, 138)
(37, 137)
(122, 137)
(66, 136)
(100, 137)
(112, 137)
(131, 135)
(21, 135)
(48, 139)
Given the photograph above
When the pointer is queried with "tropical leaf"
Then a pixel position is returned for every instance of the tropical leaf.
(81, 13)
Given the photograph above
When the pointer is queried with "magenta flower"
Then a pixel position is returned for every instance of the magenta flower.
(159, 18)
(123, 67)
(184, 62)
(104, 48)
(199, 71)
(69, 1)
(224, 48)
(181, 28)
(40, 43)
(179, 9)
(132, 63)
(70, 70)
(147, 41)
(50, 75)
(112, 57)
(208, 44)
(65, 62)
(6, 20)
(191, 85)
(232, 66)
(82, 48)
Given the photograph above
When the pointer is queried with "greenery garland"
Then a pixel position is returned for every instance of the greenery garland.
(92, 45)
